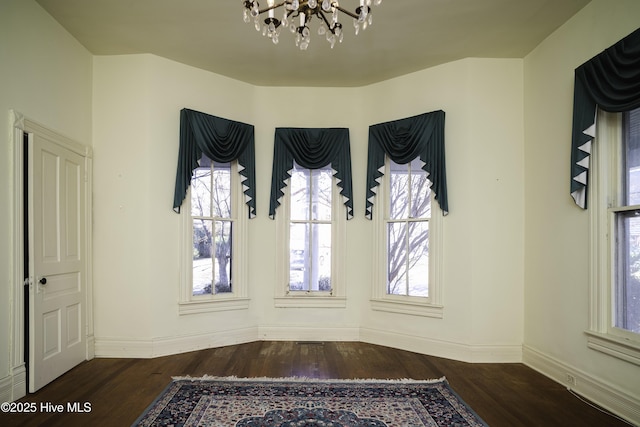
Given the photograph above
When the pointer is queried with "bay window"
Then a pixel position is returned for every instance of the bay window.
(312, 193)
(406, 176)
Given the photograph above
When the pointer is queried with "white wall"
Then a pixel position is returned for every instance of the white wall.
(305, 107)
(513, 234)
(556, 230)
(483, 236)
(137, 103)
(137, 100)
(45, 75)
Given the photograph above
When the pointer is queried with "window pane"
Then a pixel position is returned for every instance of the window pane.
(201, 192)
(418, 261)
(321, 194)
(397, 258)
(300, 193)
(310, 257)
(211, 200)
(398, 191)
(202, 256)
(223, 245)
(310, 229)
(408, 240)
(298, 256)
(408, 258)
(627, 290)
(409, 193)
(632, 156)
(420, 191)
(311, 193)
(211, 256)
(221, 194)
(321, 251)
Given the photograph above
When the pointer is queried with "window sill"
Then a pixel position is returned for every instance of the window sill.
(621, 348)
(209, 305)
(404, 306)
(307, 300)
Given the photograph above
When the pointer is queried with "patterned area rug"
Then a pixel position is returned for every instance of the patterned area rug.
(293, 402)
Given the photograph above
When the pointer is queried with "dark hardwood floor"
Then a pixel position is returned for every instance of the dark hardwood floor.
(119, 390)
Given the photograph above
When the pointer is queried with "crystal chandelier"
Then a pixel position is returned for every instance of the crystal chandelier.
(297, 14)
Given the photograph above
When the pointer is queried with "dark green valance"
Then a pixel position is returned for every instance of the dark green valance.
(403, 140)
(311, 148)
(610, 81)
(221, 140)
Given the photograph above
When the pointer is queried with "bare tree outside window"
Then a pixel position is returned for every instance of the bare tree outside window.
(310, 229)
(408, 230)
(212, 227)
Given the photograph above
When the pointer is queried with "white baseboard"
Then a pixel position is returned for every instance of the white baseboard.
(141, 348)
(136, 348)
(6, 389)
(156, 347)
(14, 386)
(594, 389)
(450, 350)
(305, 333)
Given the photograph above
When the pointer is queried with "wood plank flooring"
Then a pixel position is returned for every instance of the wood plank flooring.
(119, 390)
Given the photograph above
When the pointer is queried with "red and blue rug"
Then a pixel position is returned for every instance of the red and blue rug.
(294, 402)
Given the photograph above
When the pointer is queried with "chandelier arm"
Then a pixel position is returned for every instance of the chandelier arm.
(351, 14)
(324, 18)
(275, 6)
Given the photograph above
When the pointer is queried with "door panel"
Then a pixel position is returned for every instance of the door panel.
(57, 317)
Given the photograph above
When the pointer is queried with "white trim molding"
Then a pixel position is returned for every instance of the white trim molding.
(6, 389)
(18, 373)
(614, 346)
(471, 353)
(408, 305)
(619, 402)
(165, 346)
(18, 383)
(306, 333)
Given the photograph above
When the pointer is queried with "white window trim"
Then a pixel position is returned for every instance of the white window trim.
(336, 298)
(238, 298)
(605, 167)
(419, 306)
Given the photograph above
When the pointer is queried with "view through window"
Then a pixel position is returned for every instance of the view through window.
(407, 227)
(212, 225)
(310, 229)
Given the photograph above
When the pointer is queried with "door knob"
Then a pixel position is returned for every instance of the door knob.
(43, 281)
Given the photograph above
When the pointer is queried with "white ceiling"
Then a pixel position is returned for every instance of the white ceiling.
(406, 36)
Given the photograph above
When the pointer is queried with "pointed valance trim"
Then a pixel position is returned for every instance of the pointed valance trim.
(403, 140)
(221, 140)
(610, 81)
(311, 148)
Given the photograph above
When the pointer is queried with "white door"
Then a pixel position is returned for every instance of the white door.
(57, 313)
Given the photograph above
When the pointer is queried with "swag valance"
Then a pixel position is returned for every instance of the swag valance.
(311, 148)
(611, 81)
(403, 140)
(221, 140)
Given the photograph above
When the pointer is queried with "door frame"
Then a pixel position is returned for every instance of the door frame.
(19, 127)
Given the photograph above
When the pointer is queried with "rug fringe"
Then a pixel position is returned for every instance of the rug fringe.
(308, 379)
